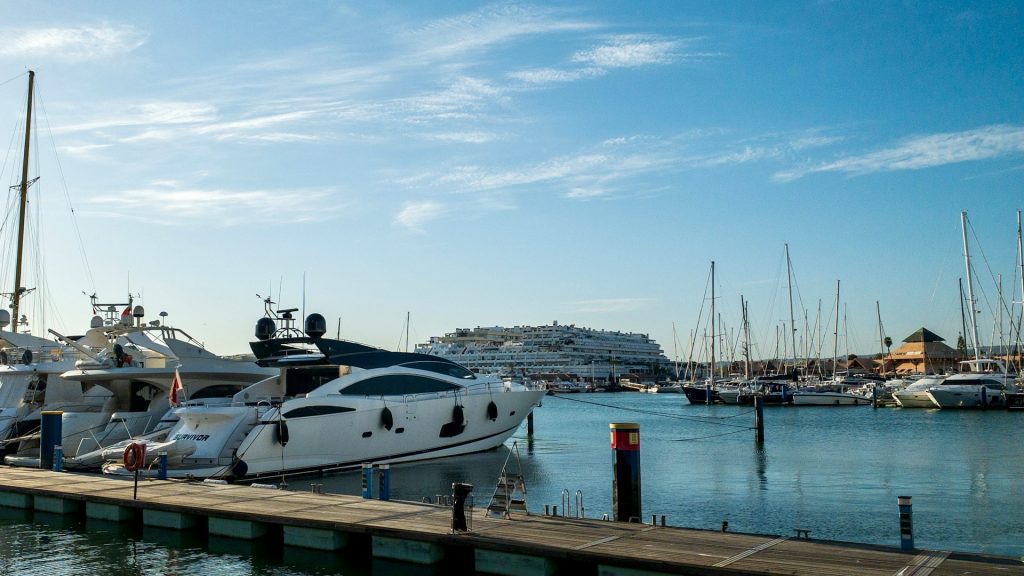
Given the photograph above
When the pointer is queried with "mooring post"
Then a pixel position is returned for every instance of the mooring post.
(50, 435)
(367, 480)
(626, 471)
(384, 493)
(758, 419)
(529, 423)
(874, 396)
(161, 472)
(707, 393)
(906, 523)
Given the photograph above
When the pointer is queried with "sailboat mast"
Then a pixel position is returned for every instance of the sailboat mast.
(746, 340)
(713, 336)
(792, 321)
(835, 344)
(970, 288)
(16, 296)
(1020, 262)
(881, 336)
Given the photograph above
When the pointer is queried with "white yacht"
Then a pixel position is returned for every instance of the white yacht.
(915, 394)
(983, 384)
(334, 405)
(118, 387)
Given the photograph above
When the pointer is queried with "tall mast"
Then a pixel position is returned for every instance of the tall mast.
(713, 336)
(881, 337)
(1020, 262)
(970, 290)
(746, 340)
(16, 296)
(835, 345)
(792, 322)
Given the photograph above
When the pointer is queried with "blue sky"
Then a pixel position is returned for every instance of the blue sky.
(479, 164)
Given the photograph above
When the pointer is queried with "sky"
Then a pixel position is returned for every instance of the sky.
(498, 164)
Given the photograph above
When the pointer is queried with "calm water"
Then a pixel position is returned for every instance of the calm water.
(834, 471)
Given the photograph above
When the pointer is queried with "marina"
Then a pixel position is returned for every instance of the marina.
(423, 534)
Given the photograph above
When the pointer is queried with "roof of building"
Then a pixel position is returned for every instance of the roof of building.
(924, 335)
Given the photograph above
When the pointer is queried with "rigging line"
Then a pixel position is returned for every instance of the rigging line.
(704, 419)
(8, 81)
(712, 436)
(64, 185)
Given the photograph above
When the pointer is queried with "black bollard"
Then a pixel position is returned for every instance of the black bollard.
(49, 436)
(529, 423)
(626, 470)
(459, 494)
(758, 419)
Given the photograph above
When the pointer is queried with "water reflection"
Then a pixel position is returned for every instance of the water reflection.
(761, 465)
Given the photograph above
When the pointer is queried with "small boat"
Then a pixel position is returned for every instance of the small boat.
(828, 394)
(915, 394)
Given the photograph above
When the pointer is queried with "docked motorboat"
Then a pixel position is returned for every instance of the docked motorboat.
(336, 404)
(915, 394)
(119, 388)
(984, 384)
(828, 393)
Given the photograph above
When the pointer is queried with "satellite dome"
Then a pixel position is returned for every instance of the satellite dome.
(5, 318)
(138, 312)
(316, 325)
(96, 322)
(265, 328)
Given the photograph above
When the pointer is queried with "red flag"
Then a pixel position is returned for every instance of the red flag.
(175, 386)
(126, 313)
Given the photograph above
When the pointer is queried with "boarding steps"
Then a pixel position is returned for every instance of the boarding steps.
(510, 491)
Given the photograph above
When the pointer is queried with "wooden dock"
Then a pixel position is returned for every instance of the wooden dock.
(421, 533)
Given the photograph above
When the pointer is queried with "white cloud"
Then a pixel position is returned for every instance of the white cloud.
(166, 203)
(463, 137)
(629, 52)
(415, 214)
(612, 305)
(926, 152)
(83, 150)
(74, 44)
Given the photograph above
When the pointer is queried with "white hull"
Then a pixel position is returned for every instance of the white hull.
(322, 436)
(965, 396)
(829, 399)
(920, 399)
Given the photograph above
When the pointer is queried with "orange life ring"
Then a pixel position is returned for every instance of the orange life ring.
(134, 456)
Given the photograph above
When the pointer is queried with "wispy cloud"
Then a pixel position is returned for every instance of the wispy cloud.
(926, 152)
(165, 203)
(463, 137)
(629, 52)
(415, 214)
(73, 44)
(476, 31)
(611, 305)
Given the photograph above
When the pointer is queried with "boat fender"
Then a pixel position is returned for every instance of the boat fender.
(3, 357)
(387, 419)
(492, 411)
(134, 456)
(26, 358)
(457, 416)
(282, 432)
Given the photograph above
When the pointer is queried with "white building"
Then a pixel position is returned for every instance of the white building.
(582, 353)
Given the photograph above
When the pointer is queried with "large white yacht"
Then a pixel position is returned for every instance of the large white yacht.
(915, 394)
(336, 404)
(983, 384)
(551, 349)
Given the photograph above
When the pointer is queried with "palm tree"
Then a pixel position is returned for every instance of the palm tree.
(888, 347)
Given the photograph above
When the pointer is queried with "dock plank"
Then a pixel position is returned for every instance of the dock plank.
(631, 546)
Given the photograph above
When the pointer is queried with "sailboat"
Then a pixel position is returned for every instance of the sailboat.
(983, 382)
(706, 394)
(832, 393)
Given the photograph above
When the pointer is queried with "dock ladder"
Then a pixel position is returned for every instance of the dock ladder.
(510, 492)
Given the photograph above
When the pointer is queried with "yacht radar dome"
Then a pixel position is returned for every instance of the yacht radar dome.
(96, 322)
(265, 328)
(138, 312)
(316, 326)
(5, 318)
